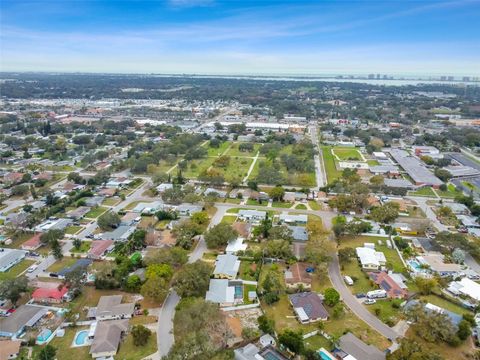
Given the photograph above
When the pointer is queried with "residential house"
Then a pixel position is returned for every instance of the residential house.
(111, 308)
(299, 233)
(118, 182)
(25, 316)
(435, 262)
(12, 178)
(121, 233)
(188, 209)
(9, 349)
(94, 201)
(370, 259)
(465, 287)
(294, 196)
(107, 337)
(235, 246)
(70, 186)
(54, 224)
(78, 213)
(350, 347)
(457, 209)
(99, 248)
(10, 257)
(219, 193)
(164, 186)
(385, 282)
(50, 295)
(148, 207)
(252, 352)
(226, 267)
(107, 192)
(80, 263)
(225, 292)
(17, 219)
(33, 243)
(300, 219)
(308, 307)
(297, 276)
(252, 216)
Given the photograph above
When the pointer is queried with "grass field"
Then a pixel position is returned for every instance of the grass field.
(314, 205)
(228, 219)
(233, 151)
(301, 207)
(347, 153)
(217, 151)
(448, 305)
(128, 351)
(96, 212)
(281, 204)
(289, 178)
(256, 203)
(236, 170)
(195, 167)
(425, 191)
(373, 162)
(16, 270)
(111, 201)
(450, 193)
(330, 166)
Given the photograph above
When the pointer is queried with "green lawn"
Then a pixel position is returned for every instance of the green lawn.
(228, 219)
(217, 151)
(256, 203)
(245, 273)
(133, 204)
(425, 191)
(196, 167)
(61, 264)
(281, 204)
(330, 166)
(246, 289)
(444, 303)
(96, 212)
(236, 170)
(386, 311)
(347, 153)
(450, 193)
(304, 179)
(112, 201)
(16, 270)
(316, 342)
(301, 207)
(71, 230)
(84, 247)
(372, 162)
(128, 351)
(314, 205)
(233, 201)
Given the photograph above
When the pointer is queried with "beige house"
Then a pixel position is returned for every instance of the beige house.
(107, 338)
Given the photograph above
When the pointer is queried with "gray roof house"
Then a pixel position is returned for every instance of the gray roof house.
(121, 233)
(78, 213)
(225, 292)
(94, 200)
(10, 257)
(107, 337)
(226, 266)
(54, 224)
(349, 344)
(293, 219)
(252, 215)
(188, 209)
(299, 233)
(25, 316)
(111, 308)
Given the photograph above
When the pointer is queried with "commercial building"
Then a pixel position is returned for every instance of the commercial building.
(414, 168)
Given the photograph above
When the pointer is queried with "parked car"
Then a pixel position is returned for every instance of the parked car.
(370, 301)
(348, 280)
(360, 295)
(32, 268)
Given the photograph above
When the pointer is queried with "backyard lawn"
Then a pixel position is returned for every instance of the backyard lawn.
(228, 219)
(63, 346)
(96, 212)
(444, 303)
(128, 351)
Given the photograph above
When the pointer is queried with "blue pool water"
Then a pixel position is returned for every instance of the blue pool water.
(238, 292)
(44, 335)
(81, 337)
(324, 355)
(414, 264)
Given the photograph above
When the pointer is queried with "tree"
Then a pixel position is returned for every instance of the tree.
(277, 193)
(185, 231)
(458, 256)
(12, 289)
(443, 174)
(266, 325)
(220, 235)
(174, 256)
(108, 221)
(278, 249)
(425, 286)
(464, 330)
(346, 254)
(292, 340)
(201, 218)
(140, 335)
(133, 283)
(155, 288)
(77, 243)
(48, 352)
(20, 190)
(51, 236)
(159, 270)
(281, 232)
(56, 249)
(74, 279)
(412, 350)
(271, 287)
(385, 213)
(376, 143)
(332, 297)
(193, 279)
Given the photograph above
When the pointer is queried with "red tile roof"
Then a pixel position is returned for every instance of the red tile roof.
(98, 247)
(55, 293)
(33, 242)
(385, 282)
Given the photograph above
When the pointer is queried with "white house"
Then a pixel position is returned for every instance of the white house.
(370, 259)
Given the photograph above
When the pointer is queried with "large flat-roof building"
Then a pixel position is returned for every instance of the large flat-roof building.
(10, 257)
(414, 168)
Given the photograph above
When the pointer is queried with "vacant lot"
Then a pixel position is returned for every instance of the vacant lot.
(61, 264)
(234, 151)
(347, 153)
(96, 212)
(330, 166)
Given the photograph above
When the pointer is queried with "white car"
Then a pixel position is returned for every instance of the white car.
(370, 301)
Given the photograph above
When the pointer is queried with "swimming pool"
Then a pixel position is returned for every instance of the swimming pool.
(81, 338)
(414, 264)
(43, 336)
(238, 292)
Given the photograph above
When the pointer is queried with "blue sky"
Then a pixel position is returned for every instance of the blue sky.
(241, 37)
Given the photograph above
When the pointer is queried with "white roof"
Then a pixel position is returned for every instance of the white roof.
(469, 288)
(370, 256)
(302, 315)
(236, 245)
(220, 292)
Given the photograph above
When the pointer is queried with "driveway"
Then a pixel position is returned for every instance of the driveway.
(48, 261)
(320, 174)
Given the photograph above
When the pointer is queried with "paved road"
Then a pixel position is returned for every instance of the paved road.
(49, 260)
(319, 169)
(352, 302)
(165, 338)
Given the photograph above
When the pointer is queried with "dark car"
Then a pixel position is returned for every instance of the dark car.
(360, 295)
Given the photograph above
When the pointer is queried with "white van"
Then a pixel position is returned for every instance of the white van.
(376, 294)
(348, 280)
